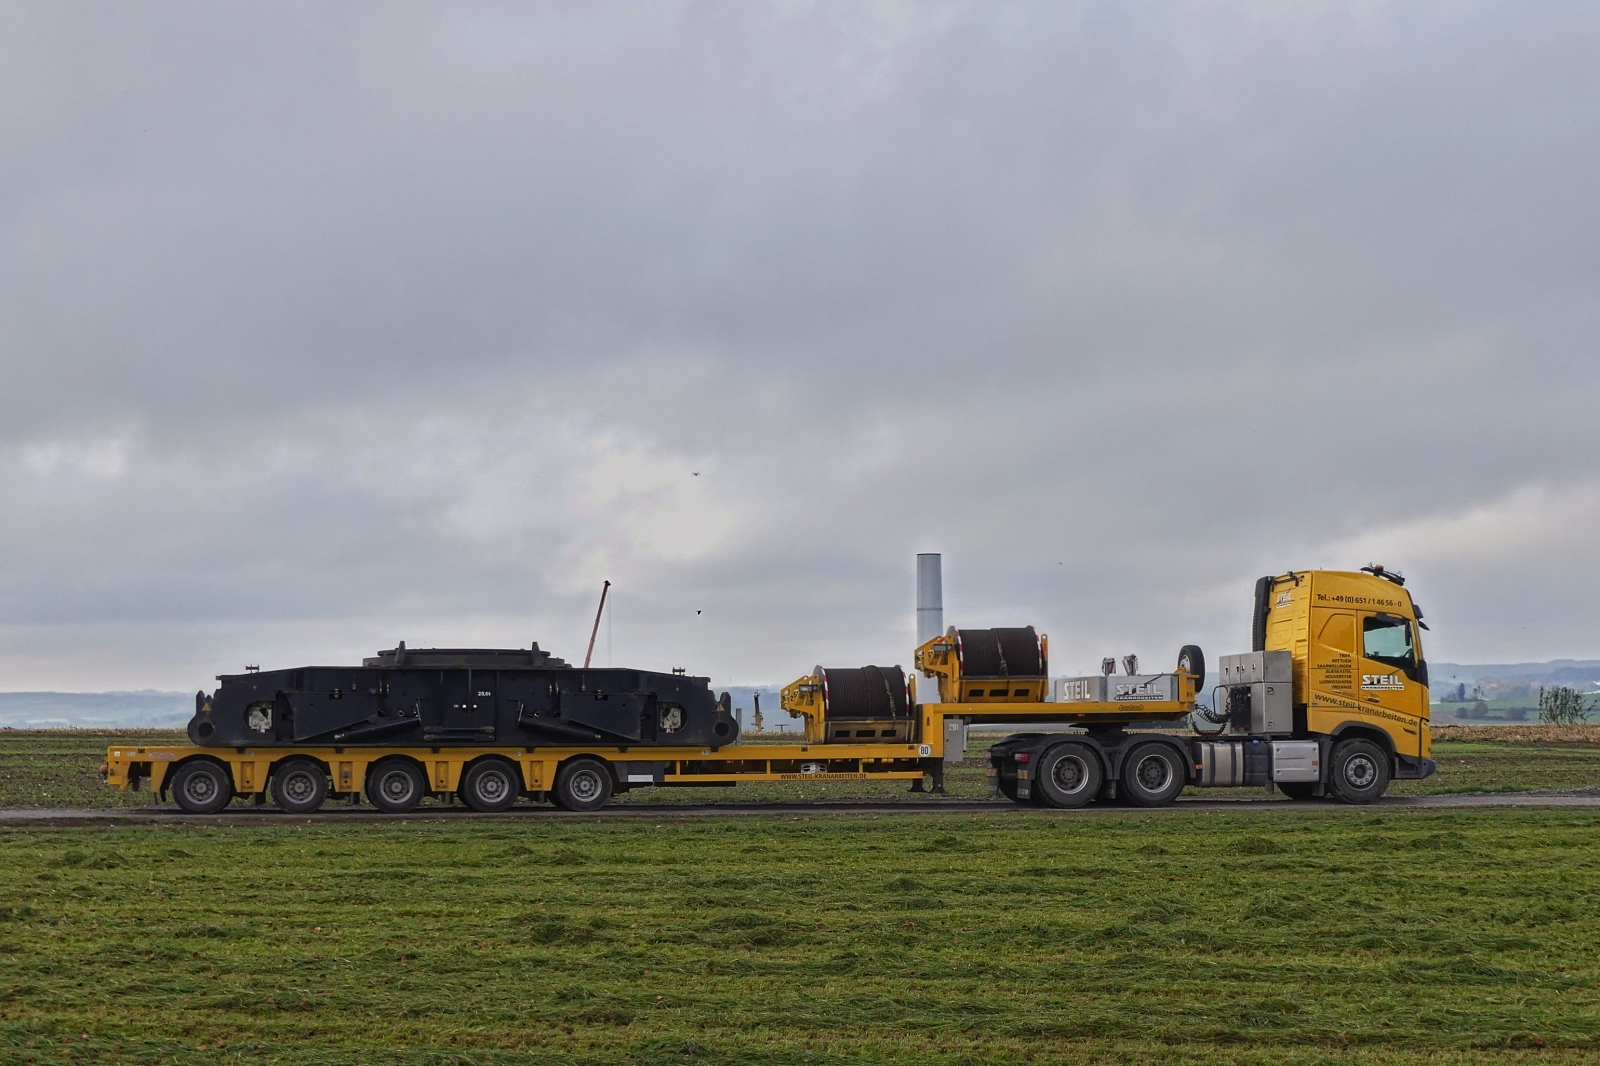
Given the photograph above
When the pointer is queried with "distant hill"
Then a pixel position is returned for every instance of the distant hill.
(91, 710)
(1559, 671)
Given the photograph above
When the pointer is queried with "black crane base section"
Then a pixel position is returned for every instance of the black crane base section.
(454, 696)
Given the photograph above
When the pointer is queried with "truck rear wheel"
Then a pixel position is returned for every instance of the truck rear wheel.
(202, 786)
(396, 786)
(1359, 771)
(299, 786)
(582, 785)
(490, 786)
(1069, 776)
(1153, 775)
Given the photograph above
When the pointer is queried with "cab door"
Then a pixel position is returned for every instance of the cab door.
(1331, 687)
(1390, 677)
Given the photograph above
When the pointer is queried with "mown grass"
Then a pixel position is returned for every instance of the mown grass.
(1017, 936)
(57, 769)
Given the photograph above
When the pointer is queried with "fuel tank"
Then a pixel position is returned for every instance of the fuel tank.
(462, 696)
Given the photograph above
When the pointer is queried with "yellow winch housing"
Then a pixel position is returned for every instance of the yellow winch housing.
(988, 665)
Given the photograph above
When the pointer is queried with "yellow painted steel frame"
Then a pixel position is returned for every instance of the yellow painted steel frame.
(129, 767)
(802, 698)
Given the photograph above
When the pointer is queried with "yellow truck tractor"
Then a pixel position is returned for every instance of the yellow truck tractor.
(1332, 701)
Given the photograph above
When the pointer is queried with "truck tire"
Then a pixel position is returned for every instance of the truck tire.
(202, 786)
(1069, 776)
(1359, 771)
(582, 785)
(1191, 660)
(299, 786)
(396, 786)
(490, 786)
(1153, 775)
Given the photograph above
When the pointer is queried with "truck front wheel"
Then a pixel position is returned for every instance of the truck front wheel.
(1360, 771)
(1153, 775)
(1069, 776)
(202, 786)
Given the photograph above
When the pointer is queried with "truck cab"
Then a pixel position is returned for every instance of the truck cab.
(1358, 666)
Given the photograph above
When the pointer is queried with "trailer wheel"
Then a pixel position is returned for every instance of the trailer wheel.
(1069, 776)
(299, 786)
(582, 785)
(490, 786)
(1153, 775)
(1360, 772)
(202, 786)
(396, 786)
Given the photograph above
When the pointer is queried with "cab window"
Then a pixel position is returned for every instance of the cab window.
(1387, 639)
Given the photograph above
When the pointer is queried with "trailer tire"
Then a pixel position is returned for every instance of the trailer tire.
(1153, 775)
(202, 786)
(299, 786)
(490, 786)
(582, 785)
(396, 786)
(1359, 771)
(1069, 776)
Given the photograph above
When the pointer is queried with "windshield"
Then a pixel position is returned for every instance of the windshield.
(1387, 639)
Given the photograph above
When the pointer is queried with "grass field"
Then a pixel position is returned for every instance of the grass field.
(57, 769)
(1327, 935)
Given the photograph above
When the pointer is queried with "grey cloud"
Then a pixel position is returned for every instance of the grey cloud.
(327, 326)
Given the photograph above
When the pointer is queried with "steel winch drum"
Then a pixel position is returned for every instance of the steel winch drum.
(865, 692)
(1000, 652)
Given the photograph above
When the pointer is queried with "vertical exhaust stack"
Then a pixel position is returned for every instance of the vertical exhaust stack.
(930, 598)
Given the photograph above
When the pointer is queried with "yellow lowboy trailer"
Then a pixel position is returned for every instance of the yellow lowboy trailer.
(577, 778)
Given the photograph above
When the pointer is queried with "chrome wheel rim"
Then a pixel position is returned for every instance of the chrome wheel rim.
(1360, 771)
(299, 787)
(492, 786)
(1153, 773)
(585, 785)
(200, 788)
(396, 786)
(1069, 774)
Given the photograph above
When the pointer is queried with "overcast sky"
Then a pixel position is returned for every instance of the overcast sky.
(324, 326)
